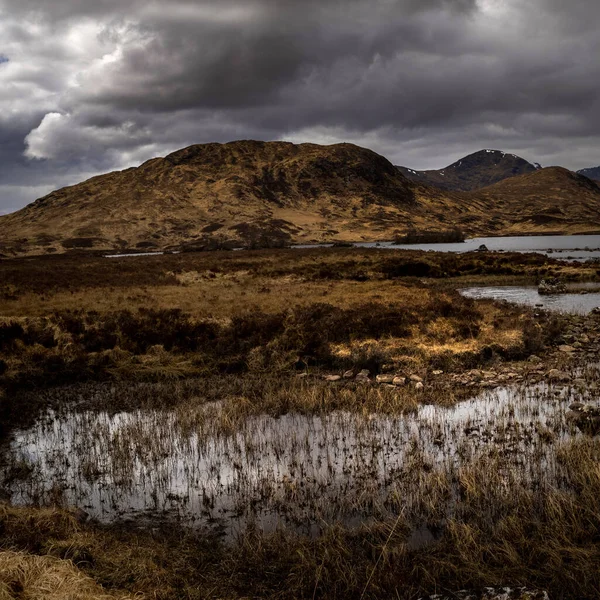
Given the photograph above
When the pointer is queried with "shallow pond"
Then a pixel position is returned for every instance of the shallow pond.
(300, 471)
(574, 302)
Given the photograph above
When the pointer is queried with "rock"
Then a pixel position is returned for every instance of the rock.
(438, 372)
(551, 286)
(333, 378)
(348, 374)
(565, 348)
(482, 248)
(416, 379)
(584, 339)
(534, 359)
(596, 311)
(384, 378)
(399, 381)
(490, 593)
(302, 375)
(363, 375)
(558, 376)
(419, 385)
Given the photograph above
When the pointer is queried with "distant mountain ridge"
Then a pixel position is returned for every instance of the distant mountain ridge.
(473, 172)
(257, 194)
(592, 173)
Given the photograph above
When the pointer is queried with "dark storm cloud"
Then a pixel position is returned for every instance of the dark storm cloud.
(95, 85)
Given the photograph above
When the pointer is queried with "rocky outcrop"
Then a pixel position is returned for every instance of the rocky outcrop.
(551, 286)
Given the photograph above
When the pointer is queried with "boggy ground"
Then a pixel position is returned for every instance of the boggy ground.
(269, 333)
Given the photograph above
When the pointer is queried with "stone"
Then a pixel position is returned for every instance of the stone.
(384, 378)
(419, 385)
(349, 374)
(558, 376)
(551, 286)
(302, 375)
(534, 359)
(566, 348)
(596, 311)
(333, 378)
(492, 593)
(416, 379)
(482, 248)
(399, 380)
(437, 372)
(363, 375)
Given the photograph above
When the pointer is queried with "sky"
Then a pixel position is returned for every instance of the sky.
(90, 86)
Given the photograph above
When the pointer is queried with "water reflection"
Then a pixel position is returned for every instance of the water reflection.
(527, 295)
(301, 471)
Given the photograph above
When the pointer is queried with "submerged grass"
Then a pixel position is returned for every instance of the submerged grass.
(545, 538)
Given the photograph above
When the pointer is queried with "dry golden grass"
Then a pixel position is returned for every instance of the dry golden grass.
(32, 577)
(220, 298)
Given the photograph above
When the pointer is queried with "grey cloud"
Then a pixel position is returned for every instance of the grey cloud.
(106, 84)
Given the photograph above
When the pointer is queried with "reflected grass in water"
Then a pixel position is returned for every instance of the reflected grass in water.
(210, 464)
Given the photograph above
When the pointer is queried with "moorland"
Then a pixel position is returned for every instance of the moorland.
(326, 364)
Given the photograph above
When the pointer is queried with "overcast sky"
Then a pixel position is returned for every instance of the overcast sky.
(88, 86)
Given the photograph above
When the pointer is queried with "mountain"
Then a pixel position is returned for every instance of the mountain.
(257, 194)
(592, 173)
(553, 199)
(246, 192)
(473, 172)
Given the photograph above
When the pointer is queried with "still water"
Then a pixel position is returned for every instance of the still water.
(568, 247)
(574, 302)
(302, 471)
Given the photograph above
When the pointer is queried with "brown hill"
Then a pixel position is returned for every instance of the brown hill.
(553, 199)
(248, 192)
(273, 193)
(473, 172)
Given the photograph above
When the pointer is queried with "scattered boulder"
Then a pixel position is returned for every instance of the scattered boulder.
(363, 375)
(596, 311)
(349, 374)
(566, 348)
(534, 359)
(419, 385)
(416, 379)
(551, 286)
(399, 381)
(333, 378)
(437, 372)
(384, 379)
(482, 248)
(555, 375)
(490, 593)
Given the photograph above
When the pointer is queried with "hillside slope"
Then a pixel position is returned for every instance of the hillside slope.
(592, 173)
(473, 172)
(553, 199)
(249, 192)
(257, 194)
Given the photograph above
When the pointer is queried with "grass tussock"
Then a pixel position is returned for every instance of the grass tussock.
(24, 575)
